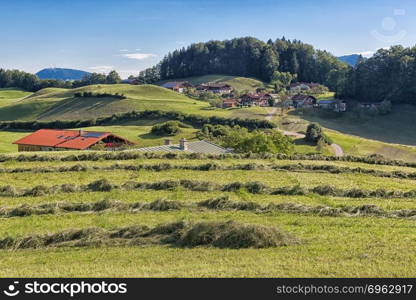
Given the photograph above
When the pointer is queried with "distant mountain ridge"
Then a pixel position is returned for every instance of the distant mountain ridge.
(352, 59)
(61, 74)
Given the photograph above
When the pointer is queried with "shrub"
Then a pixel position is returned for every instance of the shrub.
(167, 128)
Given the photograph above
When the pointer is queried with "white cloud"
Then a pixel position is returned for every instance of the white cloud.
(127, 73)
(101, 69)
(139, 56)
(124, 50)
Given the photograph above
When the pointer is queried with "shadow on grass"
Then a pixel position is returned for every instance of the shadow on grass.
(398, 127)
(77, 105)
(303, 142)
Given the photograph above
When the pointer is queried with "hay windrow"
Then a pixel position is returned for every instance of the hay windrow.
(216, 166)
(133, 155)
(218, 203)
(229, 234)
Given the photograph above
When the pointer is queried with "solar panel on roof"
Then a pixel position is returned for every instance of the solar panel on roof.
(93, 134)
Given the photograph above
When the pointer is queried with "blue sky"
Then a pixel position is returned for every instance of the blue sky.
(130, 35)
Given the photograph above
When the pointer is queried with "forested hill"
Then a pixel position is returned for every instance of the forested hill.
(251, 57)
(352, 59)
(61, 74)
(390, 74)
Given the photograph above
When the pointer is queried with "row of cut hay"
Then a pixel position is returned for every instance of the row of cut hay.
(219, 203)
(132, 155)
(180, 234)
(103, 185)
(215, 166)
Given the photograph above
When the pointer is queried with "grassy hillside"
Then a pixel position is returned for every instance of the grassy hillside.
(11, 95)
(350, 236)
(389, 135)
(397, 127)
(238, 83)
(61, 104)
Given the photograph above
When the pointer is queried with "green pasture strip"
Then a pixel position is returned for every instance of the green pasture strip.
(214, 166)
(11, 164)
(341, 245)
(270, 178)
(135, 155)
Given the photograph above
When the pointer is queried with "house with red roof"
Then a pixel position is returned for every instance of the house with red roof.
(258, 99)
(57, 139)
(179, 87)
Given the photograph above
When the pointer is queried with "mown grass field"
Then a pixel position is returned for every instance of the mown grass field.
(330, 245)
(240, 84)
(61, 104)
(390, 135)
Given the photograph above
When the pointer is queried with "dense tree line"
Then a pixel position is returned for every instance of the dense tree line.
(251, 57)
(389, 75)
(30, 82)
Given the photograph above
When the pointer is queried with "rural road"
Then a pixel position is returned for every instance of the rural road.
(337, 148)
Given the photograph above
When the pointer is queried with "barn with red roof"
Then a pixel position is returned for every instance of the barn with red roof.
(56, 139)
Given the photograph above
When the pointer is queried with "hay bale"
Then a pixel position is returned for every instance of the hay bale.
(163, 205)
(8, 191)
(224, 202)
(101, 185)
(39, 190)
(69, 188)
(216, 203)
(234, 235)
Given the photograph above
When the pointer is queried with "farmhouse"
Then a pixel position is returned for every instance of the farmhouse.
(131, 81)
(228, 103)
(216, 88)
(186, 146)
(258, 99)
(176, 86)
(335, 105)
(53, 140)
(301, 100)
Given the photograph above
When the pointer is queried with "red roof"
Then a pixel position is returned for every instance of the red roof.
(70, 139)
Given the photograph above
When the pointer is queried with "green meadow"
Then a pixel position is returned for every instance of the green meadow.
(329, 245)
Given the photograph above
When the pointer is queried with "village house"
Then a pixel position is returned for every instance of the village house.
(179, 87)
(301, 100)
(54, 140)
(228, 103)
(186, 146)
(216, 88)
(333, 104)
(131, 81)
(258, 99)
